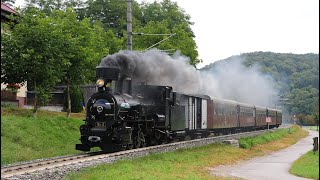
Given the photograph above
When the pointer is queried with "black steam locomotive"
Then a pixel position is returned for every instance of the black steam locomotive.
(144, 115)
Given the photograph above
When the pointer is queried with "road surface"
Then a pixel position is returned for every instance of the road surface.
(270, 167)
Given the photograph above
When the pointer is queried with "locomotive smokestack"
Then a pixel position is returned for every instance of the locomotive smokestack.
(107, 73)
(126, 67)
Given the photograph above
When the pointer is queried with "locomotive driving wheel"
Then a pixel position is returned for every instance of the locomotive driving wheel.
(187, 138)
(139, 140)
(130, 146)
(158, 137)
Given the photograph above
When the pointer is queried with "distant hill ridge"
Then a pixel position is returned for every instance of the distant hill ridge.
(296, 76)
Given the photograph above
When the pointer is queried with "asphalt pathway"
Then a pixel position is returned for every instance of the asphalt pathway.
(270, 167)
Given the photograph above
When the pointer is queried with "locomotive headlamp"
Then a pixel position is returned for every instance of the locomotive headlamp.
(99, 109)
(100, 82)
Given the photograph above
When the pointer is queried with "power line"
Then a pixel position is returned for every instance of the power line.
(147, 34)
(159, 42)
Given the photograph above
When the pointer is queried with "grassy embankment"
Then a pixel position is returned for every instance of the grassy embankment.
(307, 166)
(192, 163)
(24, 137)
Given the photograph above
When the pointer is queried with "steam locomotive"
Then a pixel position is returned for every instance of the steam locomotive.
(145, 115)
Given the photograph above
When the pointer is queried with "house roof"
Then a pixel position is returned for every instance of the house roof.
(7, 9)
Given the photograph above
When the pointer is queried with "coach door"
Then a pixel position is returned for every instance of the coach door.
(197, 113)
(204, 114)
(194, 113)
(191, 112)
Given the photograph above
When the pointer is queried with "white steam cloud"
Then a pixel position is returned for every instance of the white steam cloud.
(230, 80)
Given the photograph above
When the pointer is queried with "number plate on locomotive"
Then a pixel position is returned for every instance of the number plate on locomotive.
(100, 124)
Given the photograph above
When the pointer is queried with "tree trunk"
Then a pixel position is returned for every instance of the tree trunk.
(69, 100)
(36, 105)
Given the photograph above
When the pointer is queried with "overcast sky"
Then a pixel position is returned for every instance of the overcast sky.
(230, 27)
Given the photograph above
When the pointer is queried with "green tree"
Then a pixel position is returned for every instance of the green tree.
(169, 11)
(47, 49)
(180, 41)
(87, 38)
(30, 54)
(86, 47)
(164, 17)
(112, 14)
(76, 96)
(47, 6)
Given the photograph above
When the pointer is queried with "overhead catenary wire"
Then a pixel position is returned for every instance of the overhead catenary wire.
(147, 34)
(159, 42)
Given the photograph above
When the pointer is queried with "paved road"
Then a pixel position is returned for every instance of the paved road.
(271, 167)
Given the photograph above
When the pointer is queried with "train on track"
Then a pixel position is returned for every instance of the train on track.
(134, 116)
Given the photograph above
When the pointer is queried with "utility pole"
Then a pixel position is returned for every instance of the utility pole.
(130, 33)
(129, 24)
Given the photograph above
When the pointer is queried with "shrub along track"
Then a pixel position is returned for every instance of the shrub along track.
(58, 167)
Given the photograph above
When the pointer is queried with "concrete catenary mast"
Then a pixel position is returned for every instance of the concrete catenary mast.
(129, 24)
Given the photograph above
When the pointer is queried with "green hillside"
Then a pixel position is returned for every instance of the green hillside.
(296, 77)
(24, 137)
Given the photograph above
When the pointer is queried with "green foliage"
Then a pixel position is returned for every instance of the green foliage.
(85, 46)
(77, 98)
(314, 128)
(306, 120)
(166, 10)
(24, 138)
(249, 142)
(307, 166)
(164, 17)
(31, 49)
(47, 6)
(112, 14)
(303, 100)
(181, 41)
(50, 48)
(297, 77)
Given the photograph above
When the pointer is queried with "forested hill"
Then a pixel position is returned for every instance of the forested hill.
(296, 77)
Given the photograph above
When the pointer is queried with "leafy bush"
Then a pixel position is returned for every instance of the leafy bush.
(77, 98)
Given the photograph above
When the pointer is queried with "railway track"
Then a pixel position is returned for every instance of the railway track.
(30, 170)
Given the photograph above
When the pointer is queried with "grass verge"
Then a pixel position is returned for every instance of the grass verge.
(21, 112)
(313, 128)
(249, 142)
(306, 166)
(191, 163)
(24, 137)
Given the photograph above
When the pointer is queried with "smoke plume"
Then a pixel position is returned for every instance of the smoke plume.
(230, 80)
